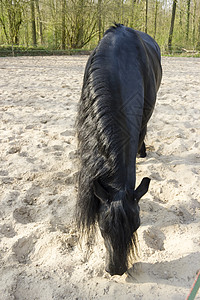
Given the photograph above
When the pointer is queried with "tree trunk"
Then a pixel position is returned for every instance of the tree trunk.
(155, 19)
(14, 13)
(16, 40)
(180, 19)
(122, 11)
(80, 35)
(34, 38)
(146, 16)
(16, 31)
(198, 38)
(99, 9)
(172, 26)
(63, 25)
(188, 20)
(132, 13)
(117, 4)
(4, 28)
(194, 22)
(40, 21)
(56, 29)
(26, 33)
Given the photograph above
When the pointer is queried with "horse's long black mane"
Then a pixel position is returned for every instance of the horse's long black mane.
(98, 139)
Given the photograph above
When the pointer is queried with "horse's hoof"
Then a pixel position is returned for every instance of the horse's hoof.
(143, 155)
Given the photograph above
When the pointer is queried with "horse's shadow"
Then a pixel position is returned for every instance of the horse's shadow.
(153, 213)
(178, 272)
(156, 157)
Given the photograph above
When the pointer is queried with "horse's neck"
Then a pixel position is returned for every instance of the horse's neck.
(124, 176)
(127, 167)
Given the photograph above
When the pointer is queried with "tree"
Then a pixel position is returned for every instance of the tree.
(172, 26)
(81, 25)
(34, 37)
(194, 22)
(3, 20)
(63, 35)
(188, 20)
(198, 38)
(155, 18)
(40, 21)
(132, 10)
(53, 23)
(146, 16)
(11, 19)
(99, 9)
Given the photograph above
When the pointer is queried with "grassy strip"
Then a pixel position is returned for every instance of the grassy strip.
(31, 51)
(39, 51)
(182, 54)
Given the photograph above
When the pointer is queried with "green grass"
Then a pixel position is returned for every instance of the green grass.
(7, 50)
(37, 51)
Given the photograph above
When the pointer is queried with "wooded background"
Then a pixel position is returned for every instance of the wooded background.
(76, 24)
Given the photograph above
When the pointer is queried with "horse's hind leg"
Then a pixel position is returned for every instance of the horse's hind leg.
(141, 144)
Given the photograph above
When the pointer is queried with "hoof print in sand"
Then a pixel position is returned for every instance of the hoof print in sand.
(3, 173)
(7, 231)
(14, 149)
(23, 215)
(32, 194)
(23, 248)
(73, 155)
(154, 238)
(72, 241)
(68, 133)
(183, 214)
(11, 197)
(69, 243)
(64, 178)
(71, 179)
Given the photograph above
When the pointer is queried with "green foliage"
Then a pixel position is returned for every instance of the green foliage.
(74, 24)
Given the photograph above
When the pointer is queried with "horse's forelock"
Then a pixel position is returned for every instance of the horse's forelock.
(121, 230)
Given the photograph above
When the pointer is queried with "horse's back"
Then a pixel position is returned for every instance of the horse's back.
(130, 60)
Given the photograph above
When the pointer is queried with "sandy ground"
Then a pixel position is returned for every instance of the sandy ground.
(39, 256)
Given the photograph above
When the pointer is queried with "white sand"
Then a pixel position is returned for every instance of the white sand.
(39, 258)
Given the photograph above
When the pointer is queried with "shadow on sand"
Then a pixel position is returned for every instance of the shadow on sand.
(179, 272)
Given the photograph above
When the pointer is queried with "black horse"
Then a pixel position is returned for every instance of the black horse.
(121, 80)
